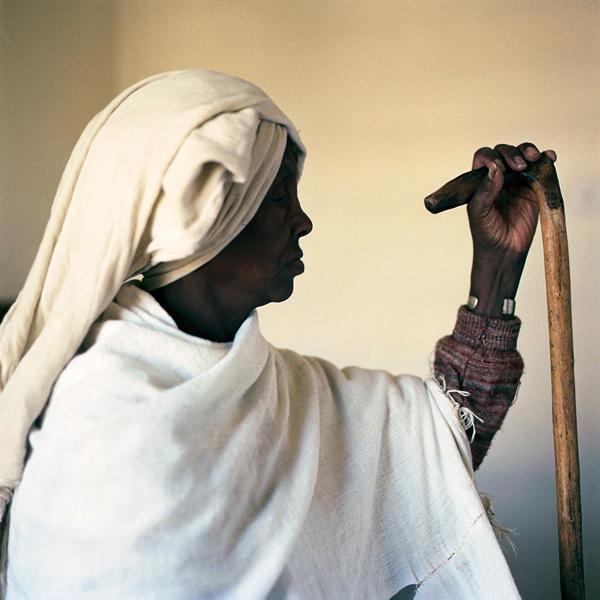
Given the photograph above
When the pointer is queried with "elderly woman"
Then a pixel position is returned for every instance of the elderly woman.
(159, 447)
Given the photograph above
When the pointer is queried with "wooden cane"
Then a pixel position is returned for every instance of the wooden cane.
(542, 178)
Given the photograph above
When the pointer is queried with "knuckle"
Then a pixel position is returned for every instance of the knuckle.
(505, 148)
(486, 150)
(528, 146)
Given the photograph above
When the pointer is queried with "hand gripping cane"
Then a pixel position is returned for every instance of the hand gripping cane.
(542, 178)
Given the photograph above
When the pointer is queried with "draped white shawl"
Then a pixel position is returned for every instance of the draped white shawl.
(159, 182)
(169, 467)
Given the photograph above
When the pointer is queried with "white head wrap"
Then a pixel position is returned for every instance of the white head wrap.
(158, 184)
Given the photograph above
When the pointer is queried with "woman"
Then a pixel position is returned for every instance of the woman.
(180, 454)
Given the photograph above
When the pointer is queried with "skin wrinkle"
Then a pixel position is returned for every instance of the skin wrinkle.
(256, 268)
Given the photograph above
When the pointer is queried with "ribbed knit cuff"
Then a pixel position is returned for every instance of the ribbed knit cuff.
(480, 330)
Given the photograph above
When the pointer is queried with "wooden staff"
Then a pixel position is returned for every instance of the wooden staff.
(541, 176)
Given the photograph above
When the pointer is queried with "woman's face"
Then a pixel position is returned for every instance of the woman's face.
(264, 258)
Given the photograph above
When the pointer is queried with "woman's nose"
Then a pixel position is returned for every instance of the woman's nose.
(302, 223)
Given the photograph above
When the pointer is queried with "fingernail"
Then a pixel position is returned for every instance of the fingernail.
(492, 170)
(520, 162)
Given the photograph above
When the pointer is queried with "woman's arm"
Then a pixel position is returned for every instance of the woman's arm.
(480, 359)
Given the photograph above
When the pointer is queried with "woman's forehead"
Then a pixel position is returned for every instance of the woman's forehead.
(287, 172)
(289, 162)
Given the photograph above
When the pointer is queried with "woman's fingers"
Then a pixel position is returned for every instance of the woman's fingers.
(529, 151)
(516, 157)
(485, 157)
(550, 154)
(488, 190)
(513, 157)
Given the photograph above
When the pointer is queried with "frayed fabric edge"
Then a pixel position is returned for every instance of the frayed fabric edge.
(467, 418)
(503, 534)
(455, 552)
(466, 415)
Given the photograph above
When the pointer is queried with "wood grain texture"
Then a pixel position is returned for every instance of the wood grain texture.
(564, 416)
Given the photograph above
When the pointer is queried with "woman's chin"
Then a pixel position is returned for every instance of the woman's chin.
(281, 293)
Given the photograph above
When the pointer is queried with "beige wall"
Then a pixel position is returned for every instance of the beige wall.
(391, 98)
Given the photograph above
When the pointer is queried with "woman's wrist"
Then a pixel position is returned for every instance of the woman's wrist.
(494, 284)
(490, 309)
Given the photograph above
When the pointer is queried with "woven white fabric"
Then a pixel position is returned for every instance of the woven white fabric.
(159, 182)
(169, 467)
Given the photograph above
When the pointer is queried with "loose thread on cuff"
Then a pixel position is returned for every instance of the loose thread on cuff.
(466, 415)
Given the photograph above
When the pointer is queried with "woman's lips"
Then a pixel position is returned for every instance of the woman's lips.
(297, 265)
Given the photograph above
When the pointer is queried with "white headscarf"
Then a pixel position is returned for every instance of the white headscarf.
(159, 183)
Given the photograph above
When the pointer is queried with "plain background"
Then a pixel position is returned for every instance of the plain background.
(392, 99)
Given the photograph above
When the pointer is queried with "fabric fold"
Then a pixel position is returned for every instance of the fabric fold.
(244, 471)
(112, 220)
